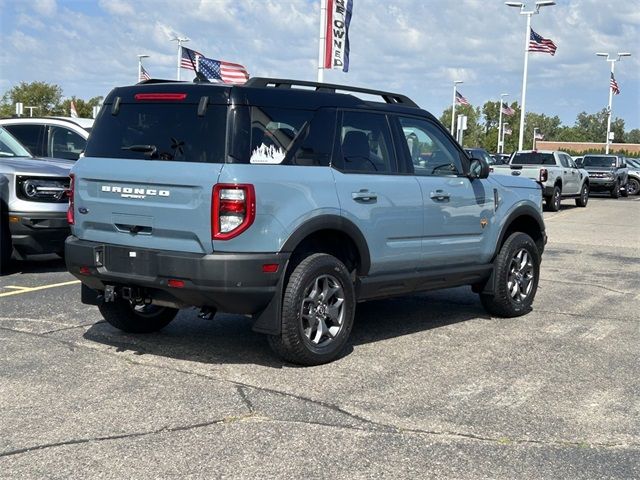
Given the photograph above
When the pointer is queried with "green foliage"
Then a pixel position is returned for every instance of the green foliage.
(47, 98)
(632, 136)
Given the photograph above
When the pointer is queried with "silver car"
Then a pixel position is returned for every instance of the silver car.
(33, 202)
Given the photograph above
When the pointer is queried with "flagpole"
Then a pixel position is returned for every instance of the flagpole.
(499, 150)
(524, 82)
(613, 67)
(322, 39)
(453, 104)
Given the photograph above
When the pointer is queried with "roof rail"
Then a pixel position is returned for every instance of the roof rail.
(394, 98)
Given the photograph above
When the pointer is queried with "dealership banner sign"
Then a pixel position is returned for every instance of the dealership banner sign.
(336, 50)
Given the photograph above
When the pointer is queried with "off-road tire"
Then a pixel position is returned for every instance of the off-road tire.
(582, 200)
(122, 315)
(635, 186)
(501, 303)
(615, 191)
(292, 344)
(553, 202)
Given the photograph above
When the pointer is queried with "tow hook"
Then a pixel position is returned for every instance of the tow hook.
(109, 293)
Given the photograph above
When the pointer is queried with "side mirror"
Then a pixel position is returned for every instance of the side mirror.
(624, 164)
(478, 168)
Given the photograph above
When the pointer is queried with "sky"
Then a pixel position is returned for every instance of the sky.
(414, 47)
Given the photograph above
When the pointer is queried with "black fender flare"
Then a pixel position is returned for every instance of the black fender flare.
(332, 222)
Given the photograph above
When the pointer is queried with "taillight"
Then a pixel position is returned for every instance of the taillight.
(70, 211)
(544, 175)
(233, 210)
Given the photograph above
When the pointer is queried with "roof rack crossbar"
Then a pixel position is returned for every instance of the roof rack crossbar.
(388, 97)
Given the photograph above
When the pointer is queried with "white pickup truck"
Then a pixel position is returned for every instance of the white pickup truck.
(555, 171)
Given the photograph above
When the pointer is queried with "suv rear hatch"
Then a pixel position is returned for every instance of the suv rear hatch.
(153, 156)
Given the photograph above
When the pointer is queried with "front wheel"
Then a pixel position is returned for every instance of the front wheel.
(633, 186)
(615, 191)
(317, 311)
(624, 191)
(130, 318)
(516, 271)
(582, 200)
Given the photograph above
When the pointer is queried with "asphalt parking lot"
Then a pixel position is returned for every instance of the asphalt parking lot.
(432, 386)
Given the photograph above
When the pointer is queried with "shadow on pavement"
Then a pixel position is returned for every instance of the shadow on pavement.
(37, 264)
(228, 339)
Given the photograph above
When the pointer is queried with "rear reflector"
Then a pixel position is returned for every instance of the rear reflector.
(270, 267)
(173, 283)
(85, 270)
(150, 97)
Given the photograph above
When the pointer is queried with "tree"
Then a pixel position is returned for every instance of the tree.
(632, 136)
(474, 132)
(491, 114)
(84, 108)
(550, 127)
(593, 127)
(44, 96)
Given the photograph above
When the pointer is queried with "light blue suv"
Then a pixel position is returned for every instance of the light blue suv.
(289, 201)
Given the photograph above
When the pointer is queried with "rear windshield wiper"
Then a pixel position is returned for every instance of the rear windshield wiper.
(148, 150)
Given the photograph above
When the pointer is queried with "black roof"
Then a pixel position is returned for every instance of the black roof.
(273, 92)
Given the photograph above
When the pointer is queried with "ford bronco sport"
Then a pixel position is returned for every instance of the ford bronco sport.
(289, 201)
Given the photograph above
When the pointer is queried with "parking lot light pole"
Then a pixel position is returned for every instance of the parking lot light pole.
(528, 13)
(140, 57)
(453, 104)
(612, 61)
(504, 125)
(500, 145)
(180, 41)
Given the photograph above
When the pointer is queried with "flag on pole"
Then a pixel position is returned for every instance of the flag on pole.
(219, 70)
(73, 113)
(507, 110)
(537, 43)
(188, 58)
(506, 129)
(614, 85)
(460, 100)
(538, 136)
(336, 46)
(144, 75)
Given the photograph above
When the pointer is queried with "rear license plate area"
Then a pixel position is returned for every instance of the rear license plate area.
(131, 261)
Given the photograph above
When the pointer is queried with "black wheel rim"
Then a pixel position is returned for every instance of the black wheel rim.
(633, 187)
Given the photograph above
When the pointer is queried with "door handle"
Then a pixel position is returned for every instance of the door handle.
(364, 196)
(440, 195)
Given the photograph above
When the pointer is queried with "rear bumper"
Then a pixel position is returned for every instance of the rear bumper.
(230, 282)
(37, 233)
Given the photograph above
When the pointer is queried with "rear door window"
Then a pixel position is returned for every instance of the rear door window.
(31, 136)
(160, 131)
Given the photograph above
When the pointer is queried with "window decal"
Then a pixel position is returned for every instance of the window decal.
(270, 155)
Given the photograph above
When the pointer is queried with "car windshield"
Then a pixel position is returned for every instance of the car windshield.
(10, 147)
(597, 161)
(533, 158)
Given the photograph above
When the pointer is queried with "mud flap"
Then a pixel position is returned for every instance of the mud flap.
(269, 321)
(488, 286)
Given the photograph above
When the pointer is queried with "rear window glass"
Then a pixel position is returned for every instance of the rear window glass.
(596, 161)
(533, 158)
(160, 131)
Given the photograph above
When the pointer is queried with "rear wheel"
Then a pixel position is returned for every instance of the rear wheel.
(633, 186)
(517, 271)
(582, 200)
(130, 318)
(553, 202)
(317, 311)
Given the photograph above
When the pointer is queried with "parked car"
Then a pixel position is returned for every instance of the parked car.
(633, 182)
(33, 200)
(290, 205)
(607, 173)
(501, 158)
(57, 137)
(555, 171)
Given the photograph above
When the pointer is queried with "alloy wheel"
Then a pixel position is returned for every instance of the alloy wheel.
(521, 276)
(322, 311)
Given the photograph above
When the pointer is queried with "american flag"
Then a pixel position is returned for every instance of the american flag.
(188, 58)
(540, 44)
(144, 75)
(460, 100)
(507, 110)
(506, 129)
(538, 135)
(219, 70)
(614, 85)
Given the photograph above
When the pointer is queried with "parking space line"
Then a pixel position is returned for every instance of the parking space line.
(16, 288)
(35, 289)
